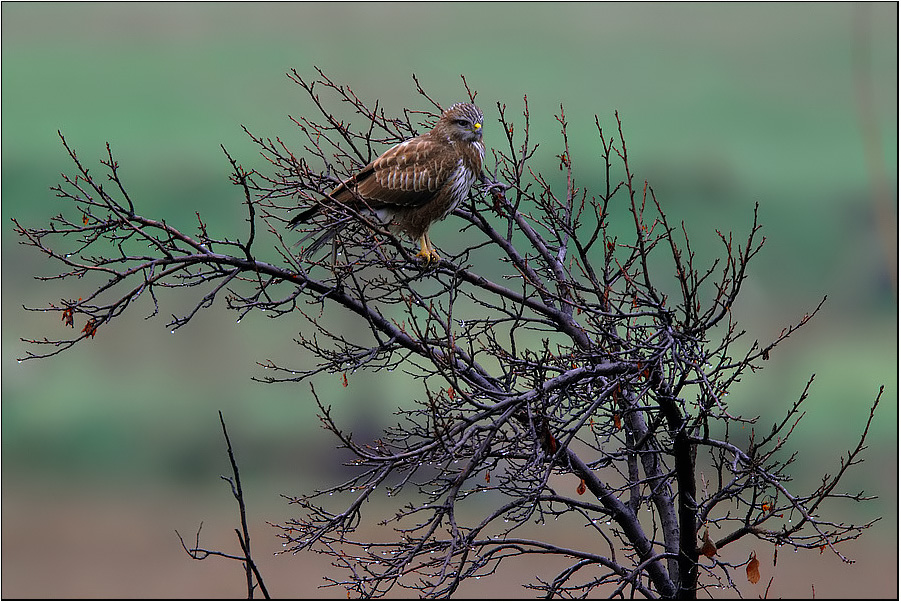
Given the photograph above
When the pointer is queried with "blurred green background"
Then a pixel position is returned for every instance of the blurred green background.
(109, 448)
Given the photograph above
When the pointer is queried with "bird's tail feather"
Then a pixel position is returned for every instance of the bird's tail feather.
(303, 216)
(323, 237)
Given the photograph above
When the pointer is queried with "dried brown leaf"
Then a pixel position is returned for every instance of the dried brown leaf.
(708, 548)
(753, 569)
(580, 490)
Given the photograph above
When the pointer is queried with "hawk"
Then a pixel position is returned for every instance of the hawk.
(414, 183)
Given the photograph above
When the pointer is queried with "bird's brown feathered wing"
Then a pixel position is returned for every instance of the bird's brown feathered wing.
(408, 174)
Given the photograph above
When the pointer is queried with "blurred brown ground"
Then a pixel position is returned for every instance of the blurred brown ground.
(59, 545)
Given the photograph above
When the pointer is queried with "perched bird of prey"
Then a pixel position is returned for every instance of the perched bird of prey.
(414, 183)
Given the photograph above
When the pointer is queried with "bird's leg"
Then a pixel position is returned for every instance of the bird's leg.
(426, 251)
(434, 253)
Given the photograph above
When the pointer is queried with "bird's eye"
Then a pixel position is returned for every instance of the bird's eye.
(461, 122)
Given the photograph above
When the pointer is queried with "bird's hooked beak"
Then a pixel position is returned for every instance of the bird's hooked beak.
(477, 129)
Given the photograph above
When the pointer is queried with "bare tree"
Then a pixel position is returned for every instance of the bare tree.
(574, 356)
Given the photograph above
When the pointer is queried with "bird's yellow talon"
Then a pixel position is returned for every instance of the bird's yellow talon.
(426, 251)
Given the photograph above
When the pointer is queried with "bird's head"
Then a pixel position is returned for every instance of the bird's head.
(462, 121)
